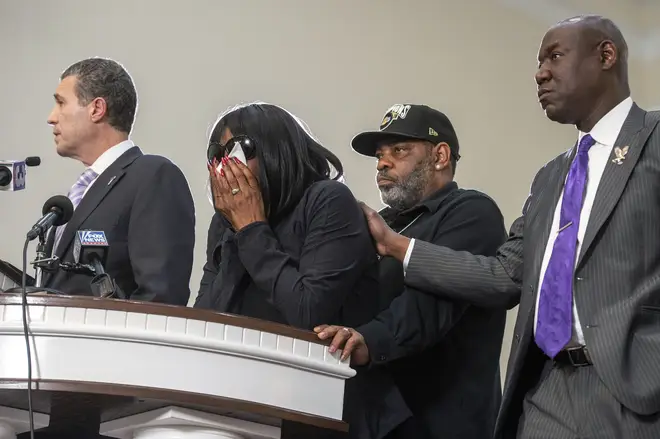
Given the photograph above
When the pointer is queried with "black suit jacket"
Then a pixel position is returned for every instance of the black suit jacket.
(144, 206)
(616, 284)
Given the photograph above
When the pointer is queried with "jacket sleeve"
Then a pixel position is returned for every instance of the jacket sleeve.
(336, 250)
(161, 238)
(210, 273)
(415, 320)
(486, 281)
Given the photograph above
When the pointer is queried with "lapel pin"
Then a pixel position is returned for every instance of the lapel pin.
(620, 155)
(112, 179)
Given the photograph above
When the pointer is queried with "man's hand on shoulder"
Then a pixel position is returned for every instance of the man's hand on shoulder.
(388, 242)
(349, 340)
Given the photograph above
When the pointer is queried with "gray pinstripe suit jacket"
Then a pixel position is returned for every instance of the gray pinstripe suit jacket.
(616, 283)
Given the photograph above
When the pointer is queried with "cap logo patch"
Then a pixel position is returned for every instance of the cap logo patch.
(395, 112)
(433, 132)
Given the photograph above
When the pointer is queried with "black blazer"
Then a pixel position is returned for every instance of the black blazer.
(317, 265)
(616, 283)
(144, 206)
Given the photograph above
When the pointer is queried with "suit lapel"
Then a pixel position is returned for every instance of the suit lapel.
(538, 222)
(615, 176)
(546, 207)
(102, 186)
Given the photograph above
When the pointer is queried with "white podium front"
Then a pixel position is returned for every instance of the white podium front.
(149, 371)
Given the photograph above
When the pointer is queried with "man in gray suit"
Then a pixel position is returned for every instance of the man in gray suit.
(583, 260)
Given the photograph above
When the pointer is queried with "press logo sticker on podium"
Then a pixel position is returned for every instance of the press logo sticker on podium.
(92, 237)
(88, 239)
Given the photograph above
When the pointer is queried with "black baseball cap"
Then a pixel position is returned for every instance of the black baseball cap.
(409, 121)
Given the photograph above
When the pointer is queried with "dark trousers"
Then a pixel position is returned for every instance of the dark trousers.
(573, 403)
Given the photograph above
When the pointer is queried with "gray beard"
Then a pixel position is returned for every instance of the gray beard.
(405, 194)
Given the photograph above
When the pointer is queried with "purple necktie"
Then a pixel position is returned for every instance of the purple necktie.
(555, 315)
(76, 195)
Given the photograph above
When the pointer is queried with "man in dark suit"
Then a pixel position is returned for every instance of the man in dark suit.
(583, 260)
(141, 202)
(443, 355)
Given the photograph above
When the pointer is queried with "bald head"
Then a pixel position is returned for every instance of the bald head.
(582, 71)
(594, 31)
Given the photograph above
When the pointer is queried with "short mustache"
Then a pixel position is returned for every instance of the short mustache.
(380, 176)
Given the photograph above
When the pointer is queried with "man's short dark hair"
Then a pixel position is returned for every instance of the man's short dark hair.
(107, 79)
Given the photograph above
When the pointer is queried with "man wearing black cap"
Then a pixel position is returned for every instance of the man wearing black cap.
(444, 356)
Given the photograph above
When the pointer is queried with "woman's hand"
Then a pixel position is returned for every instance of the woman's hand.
(236, 193)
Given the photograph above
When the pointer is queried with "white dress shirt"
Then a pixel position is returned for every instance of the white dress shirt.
(605, 133)
(99, 166)
(108, 158)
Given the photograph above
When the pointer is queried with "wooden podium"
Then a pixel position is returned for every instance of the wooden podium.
(138, 370)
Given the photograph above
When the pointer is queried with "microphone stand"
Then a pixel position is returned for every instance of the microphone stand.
(102, 284)
(41, 256)
(42, 261)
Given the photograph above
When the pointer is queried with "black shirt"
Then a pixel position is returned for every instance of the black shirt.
(444, 355)
(317, 265)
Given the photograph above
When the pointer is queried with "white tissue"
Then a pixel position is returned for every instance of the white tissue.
(237, 152)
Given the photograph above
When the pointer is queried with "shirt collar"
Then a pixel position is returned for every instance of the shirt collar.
(431, 203)
(607, 129)
(434, 201)
(110, 156)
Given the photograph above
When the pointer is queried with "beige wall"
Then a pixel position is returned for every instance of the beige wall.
(650, 92)
(337, 64)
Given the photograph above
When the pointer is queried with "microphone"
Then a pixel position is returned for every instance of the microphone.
(12, 173)
(57, 211)
(90, 248)
(32, 161)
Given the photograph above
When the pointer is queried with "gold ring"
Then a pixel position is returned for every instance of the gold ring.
(235, 191)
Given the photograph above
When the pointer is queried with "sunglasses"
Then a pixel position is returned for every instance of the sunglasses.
(218, 151)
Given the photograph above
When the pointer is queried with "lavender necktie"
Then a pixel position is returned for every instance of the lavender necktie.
(555, 322)
(75, 195)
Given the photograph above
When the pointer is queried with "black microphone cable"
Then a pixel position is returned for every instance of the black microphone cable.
(26, 332)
